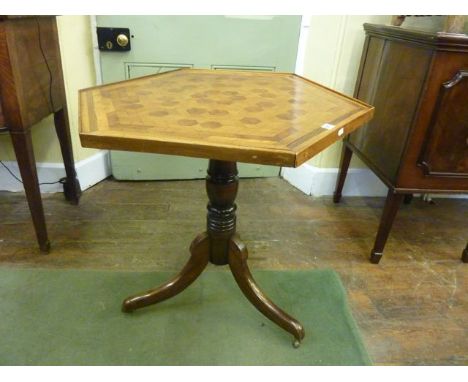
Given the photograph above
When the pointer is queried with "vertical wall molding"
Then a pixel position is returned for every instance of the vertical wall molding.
(302, 44)
(339, 50)
(96, 54)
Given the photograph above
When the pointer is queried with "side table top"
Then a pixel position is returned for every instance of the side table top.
(255, 117)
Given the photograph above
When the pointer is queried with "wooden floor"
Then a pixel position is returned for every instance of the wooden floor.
(412, 308)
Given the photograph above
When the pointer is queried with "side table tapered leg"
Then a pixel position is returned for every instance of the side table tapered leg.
(71, 186)
(345, 159)
(22, 144)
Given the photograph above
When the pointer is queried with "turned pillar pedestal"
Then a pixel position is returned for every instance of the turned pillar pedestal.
(220, 245)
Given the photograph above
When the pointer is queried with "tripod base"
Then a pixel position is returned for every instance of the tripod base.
(221, 246)
(200, 253)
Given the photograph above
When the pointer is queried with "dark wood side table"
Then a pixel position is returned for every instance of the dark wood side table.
(31, 88)
(418, 140)
(225, 116)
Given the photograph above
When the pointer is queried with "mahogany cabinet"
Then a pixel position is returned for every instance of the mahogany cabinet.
(31, 88)
(417, 141)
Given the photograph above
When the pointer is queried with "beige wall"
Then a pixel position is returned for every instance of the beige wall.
(78, 69)
(332, 56)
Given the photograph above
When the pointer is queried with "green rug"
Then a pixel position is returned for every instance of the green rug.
(72, 317)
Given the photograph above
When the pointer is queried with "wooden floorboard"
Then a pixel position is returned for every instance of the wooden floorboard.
(411, 308)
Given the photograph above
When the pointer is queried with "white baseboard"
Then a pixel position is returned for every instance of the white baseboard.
(309, 179)
(318, 181)
(89, 172)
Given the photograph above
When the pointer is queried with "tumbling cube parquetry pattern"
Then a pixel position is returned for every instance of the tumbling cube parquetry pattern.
(257, 117)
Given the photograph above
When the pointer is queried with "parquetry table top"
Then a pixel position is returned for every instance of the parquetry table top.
(257, 117)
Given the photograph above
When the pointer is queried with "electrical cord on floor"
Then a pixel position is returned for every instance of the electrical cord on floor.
(62, 180)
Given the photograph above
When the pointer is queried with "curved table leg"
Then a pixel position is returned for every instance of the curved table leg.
(238, 264)
(200, 253)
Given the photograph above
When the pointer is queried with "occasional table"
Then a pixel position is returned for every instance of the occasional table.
(226, 116)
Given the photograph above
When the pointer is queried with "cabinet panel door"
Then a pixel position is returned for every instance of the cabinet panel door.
(445, 152)
(392, 80)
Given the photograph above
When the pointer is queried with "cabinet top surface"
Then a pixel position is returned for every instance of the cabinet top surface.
(256, 117)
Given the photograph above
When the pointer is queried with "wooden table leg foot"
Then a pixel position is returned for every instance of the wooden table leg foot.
(238, 264)
(200, 252)
(72, 191)
(45, 247)
(375, 257)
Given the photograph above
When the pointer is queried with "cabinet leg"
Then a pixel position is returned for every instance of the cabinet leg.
(465, 254)
(346, 155)
(71, 187)
(22, 145)
(386, 221)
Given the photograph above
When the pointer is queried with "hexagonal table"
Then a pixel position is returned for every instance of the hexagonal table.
(226, 116)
